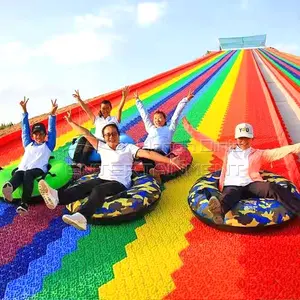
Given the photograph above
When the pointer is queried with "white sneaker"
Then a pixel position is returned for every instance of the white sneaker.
(7, 191)
(49, 194)
(77, 220)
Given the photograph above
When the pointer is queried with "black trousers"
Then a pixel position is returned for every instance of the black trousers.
(83, 150)
(148, 163)
(95, 189)
(27, 179)
(233, 194)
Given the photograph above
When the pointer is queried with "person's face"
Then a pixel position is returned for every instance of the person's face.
(39, 137)
(105, 110)
(159, 120)
(111, 136)
(244, 142)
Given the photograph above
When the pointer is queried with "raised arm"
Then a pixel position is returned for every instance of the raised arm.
(278, 153)
(180, 106)
(52, 126)
(160, 158)
(218, 149)
(84, 106)
(125, 92)
(92, 139)
(144, 114)
(26, 137)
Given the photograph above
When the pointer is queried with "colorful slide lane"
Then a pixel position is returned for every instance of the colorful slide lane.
(290, 57)
(67, 287)
(223, 265)
(291, 73)
(60, 142)
(284, 81)
(164, 254)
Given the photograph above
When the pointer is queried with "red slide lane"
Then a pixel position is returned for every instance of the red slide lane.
(214, 275)
(11, 146)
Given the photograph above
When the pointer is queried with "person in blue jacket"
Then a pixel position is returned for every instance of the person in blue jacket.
(34, 162)
(160, 134)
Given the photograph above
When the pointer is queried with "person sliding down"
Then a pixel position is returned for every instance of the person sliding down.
(34, 162)
(114, 177)
(160, 134)
(240, 178)
(84, 148)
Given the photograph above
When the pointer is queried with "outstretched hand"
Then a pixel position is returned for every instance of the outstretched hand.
(54, 107)
(125, 91)
(76, 95)
(68, 117)
(185, 122)
(177, 162)
(190, 95)
(23, 104)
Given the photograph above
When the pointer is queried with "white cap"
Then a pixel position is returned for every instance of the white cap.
(244, 130)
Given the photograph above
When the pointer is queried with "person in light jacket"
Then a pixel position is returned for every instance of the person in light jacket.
(34, 162)
(240, 177)
(160, 134)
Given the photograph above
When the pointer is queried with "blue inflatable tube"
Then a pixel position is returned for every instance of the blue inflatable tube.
(95, 156)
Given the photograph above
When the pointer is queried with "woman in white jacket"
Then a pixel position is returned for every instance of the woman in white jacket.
(160, 134)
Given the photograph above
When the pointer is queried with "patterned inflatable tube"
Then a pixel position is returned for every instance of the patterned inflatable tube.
(249, 213)
(58, 176)
(140, 199)
(169, 171)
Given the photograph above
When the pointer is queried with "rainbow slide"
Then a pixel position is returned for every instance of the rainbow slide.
(168, 253)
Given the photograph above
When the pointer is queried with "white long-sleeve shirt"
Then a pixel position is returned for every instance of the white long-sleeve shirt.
(160, 138)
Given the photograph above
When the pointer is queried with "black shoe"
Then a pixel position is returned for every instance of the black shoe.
(22, 209)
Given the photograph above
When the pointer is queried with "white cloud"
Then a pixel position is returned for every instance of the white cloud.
(79, 47)
(14, 53)
(18, 80)
(244, 4)
(149, 12)
(289, 48)
(91, 22)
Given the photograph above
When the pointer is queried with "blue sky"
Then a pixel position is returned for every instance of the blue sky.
(50, 48)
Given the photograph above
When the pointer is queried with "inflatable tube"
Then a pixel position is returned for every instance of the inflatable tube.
(58, 176)
(247, 214)
(141, 198)
(95, 156)
(169, 171)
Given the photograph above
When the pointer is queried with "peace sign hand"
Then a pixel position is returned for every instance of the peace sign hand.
(136, 95)
(125, 91)
(76, 95)
(54, 107)
(23, 104)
